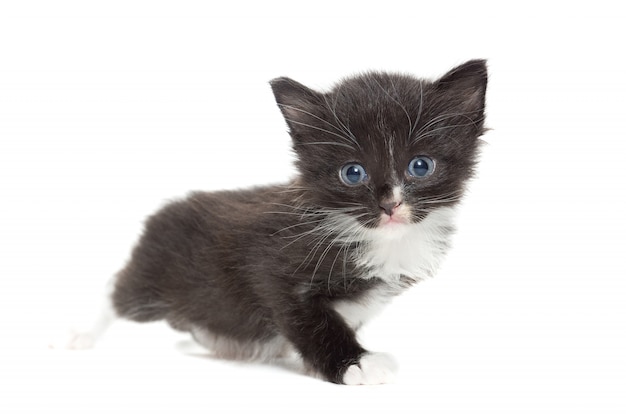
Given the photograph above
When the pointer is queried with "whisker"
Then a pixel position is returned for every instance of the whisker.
(311, 255)
(434, 132)
(324, 226)
(326, 143)
(345, 126)
(451, 197)
(290, 189)
(402, 107)
(332, 266)
(325, 131)
(327, 250)
(439, 119)
(295, 225)
(312, 115)
(439, 201)
(419, 113)
(339, 227)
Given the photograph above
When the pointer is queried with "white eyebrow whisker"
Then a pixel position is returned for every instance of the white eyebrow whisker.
(423, 131)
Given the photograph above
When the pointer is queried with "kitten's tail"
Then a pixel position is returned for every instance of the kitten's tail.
(86, 336)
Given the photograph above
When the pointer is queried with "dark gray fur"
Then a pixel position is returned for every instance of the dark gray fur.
(243, 264)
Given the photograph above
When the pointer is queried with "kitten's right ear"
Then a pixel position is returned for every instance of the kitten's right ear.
(297, 102)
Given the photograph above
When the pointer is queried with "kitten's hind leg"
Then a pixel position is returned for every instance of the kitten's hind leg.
(227, 348)
(85, 335)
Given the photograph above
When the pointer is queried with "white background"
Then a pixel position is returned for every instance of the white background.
(108, 109)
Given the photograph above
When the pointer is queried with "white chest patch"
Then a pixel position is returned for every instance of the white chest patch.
(358, 312)
(411, 250)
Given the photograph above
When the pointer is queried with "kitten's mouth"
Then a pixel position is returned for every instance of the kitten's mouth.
(393, 220)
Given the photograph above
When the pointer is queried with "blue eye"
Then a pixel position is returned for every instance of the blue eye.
(353, 174)
(421, 166)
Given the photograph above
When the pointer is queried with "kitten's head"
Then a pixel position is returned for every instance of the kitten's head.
(387, 148)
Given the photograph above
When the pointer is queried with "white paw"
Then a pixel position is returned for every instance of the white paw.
(372, 369)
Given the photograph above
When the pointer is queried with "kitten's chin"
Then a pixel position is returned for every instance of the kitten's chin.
(392, 228)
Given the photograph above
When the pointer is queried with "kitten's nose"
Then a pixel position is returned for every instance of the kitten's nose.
(389, 206)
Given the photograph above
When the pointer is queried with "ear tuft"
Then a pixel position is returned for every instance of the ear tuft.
(474, 70)
(294, 99)
(466, 85)
(286, 90)
(298, 103)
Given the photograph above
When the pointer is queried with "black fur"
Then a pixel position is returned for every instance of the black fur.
(244, 264)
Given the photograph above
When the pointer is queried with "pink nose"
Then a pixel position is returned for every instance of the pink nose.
(389, 206)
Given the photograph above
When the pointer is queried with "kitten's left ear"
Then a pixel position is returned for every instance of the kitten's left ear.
(297, 102)
(464, 88)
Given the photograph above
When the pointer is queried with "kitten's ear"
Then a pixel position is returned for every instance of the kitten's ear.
(297, 102)
(464, 88)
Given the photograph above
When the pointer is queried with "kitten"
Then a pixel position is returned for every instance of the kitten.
(382, 161)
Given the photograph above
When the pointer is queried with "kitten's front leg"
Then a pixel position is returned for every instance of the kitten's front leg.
(329, 346)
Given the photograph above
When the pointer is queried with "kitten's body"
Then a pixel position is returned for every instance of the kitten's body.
(243, 240)
(302, 266)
